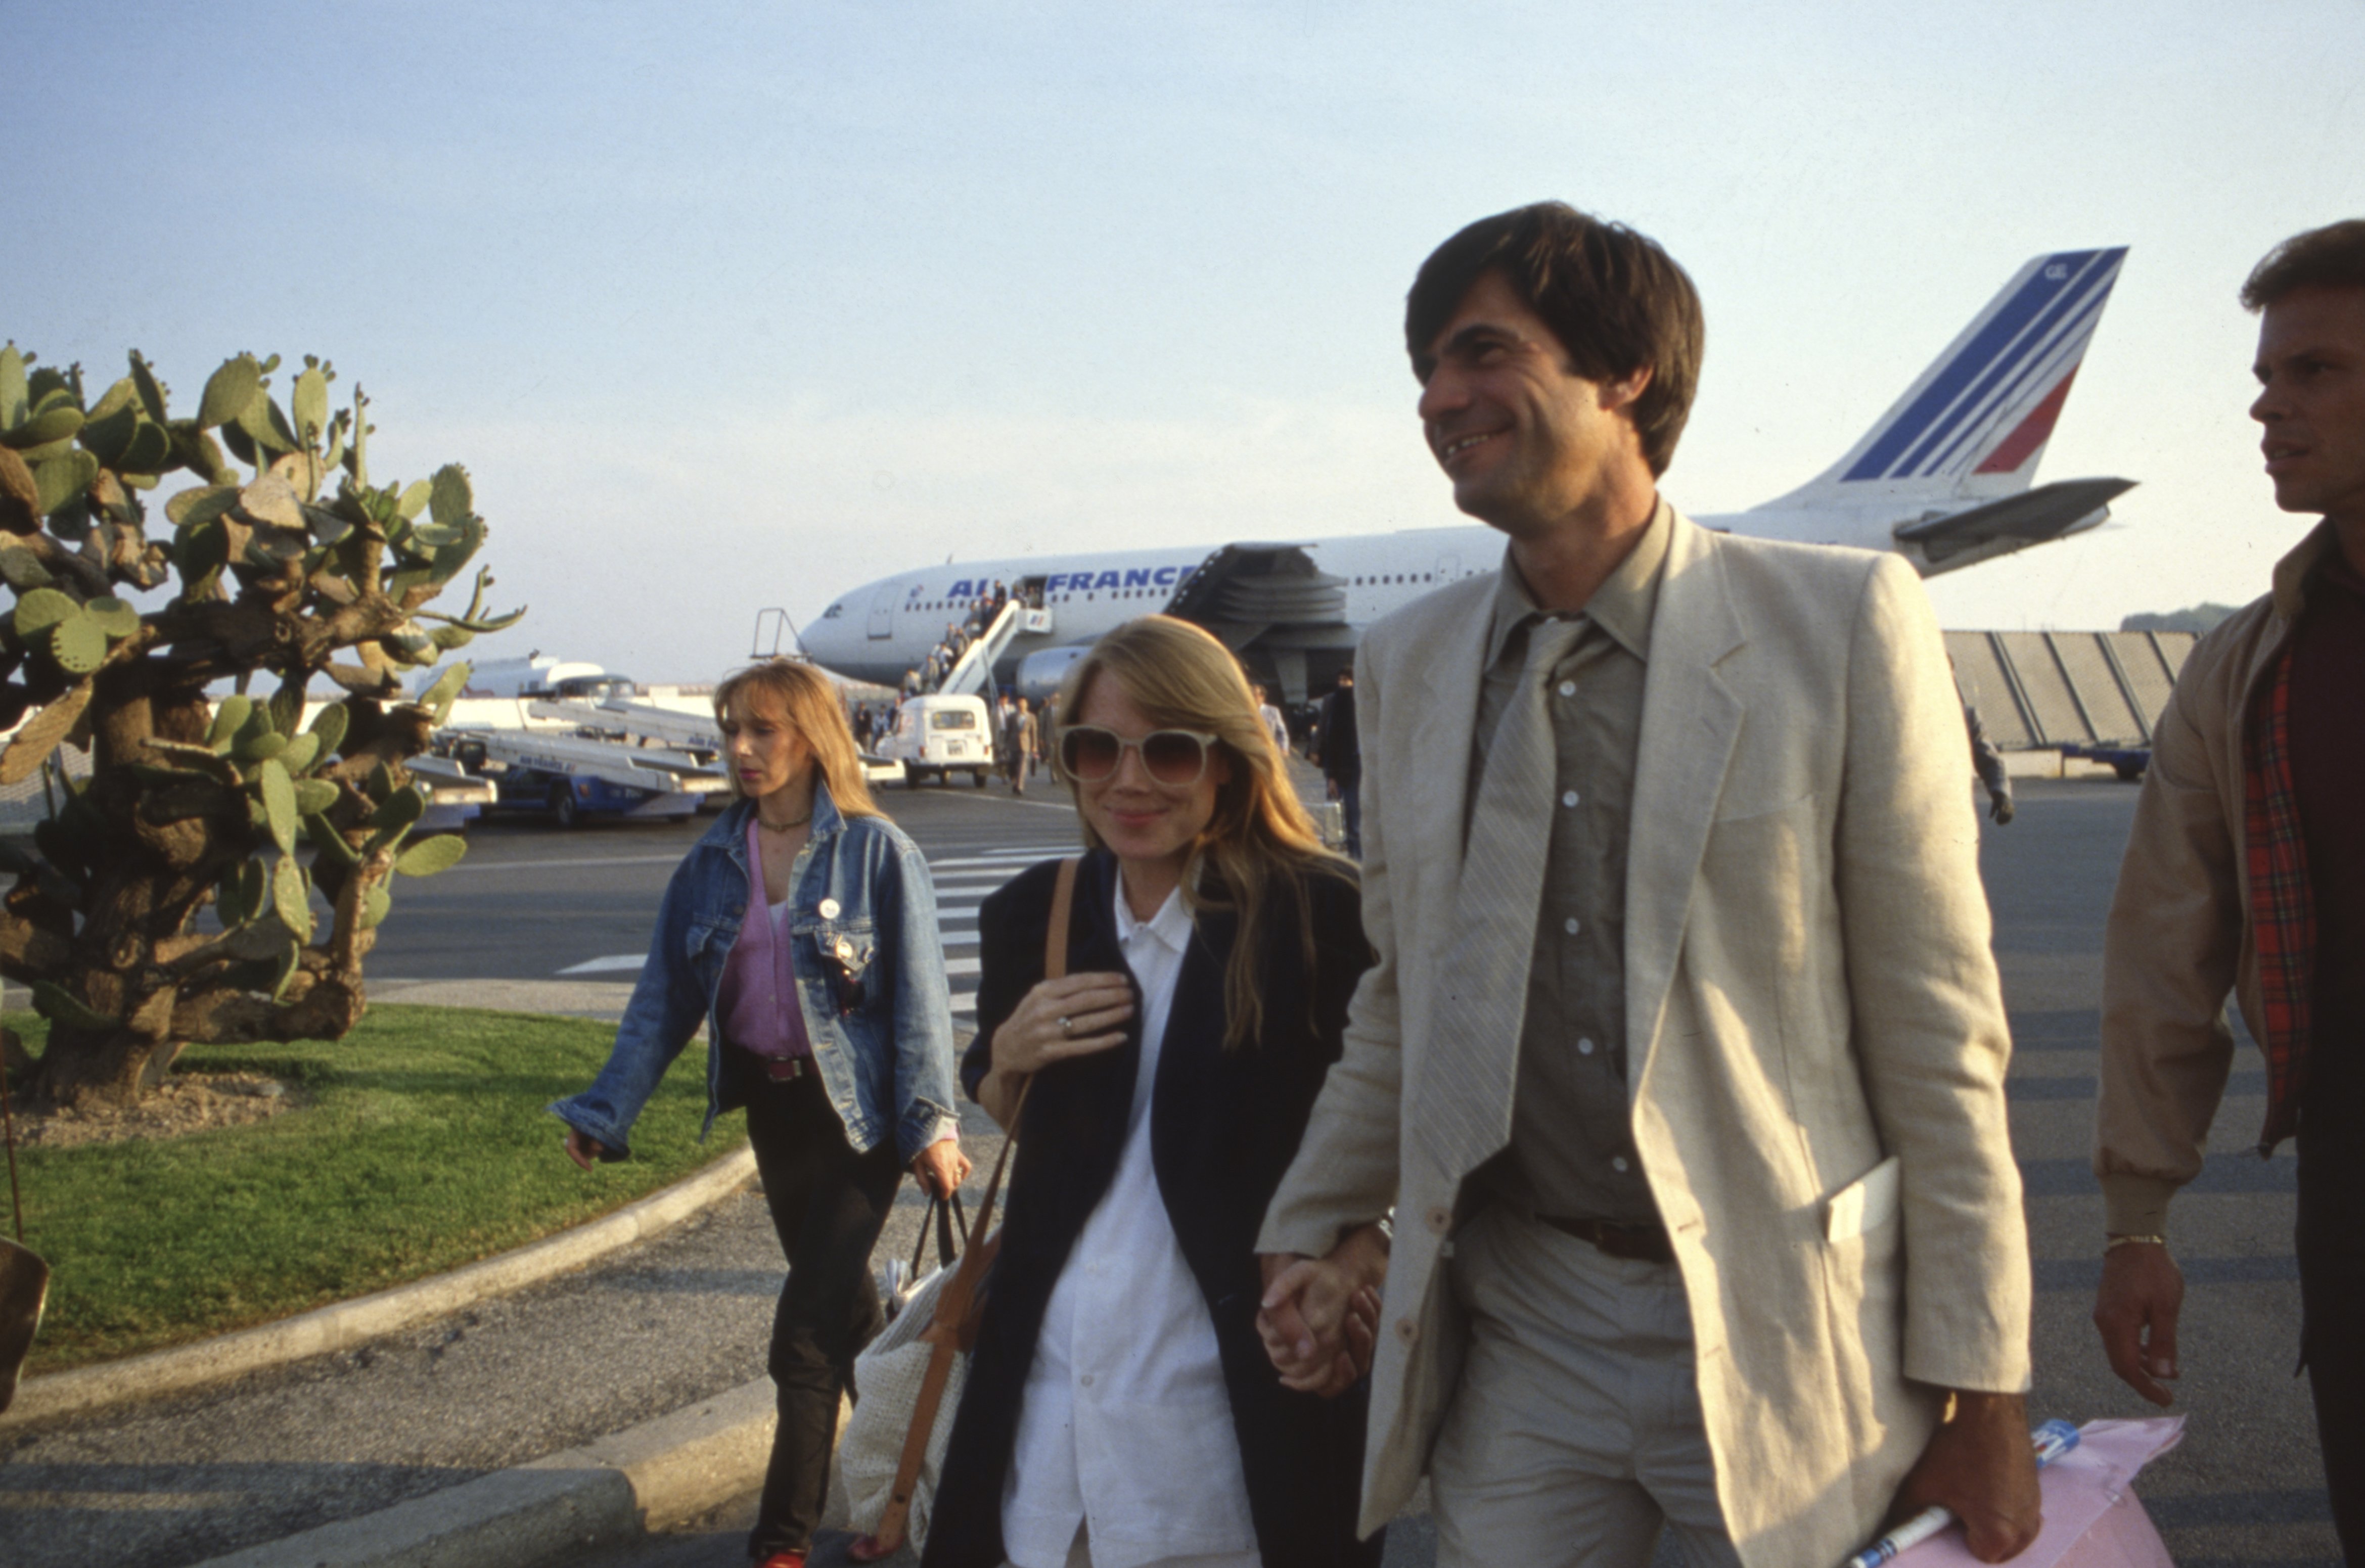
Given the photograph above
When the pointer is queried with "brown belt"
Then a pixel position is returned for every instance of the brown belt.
(1643, 1243)
(780, 1069)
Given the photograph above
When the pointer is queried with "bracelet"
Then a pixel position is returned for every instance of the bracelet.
(2115, 1243)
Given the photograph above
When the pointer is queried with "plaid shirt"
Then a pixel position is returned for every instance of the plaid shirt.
(2282, 910)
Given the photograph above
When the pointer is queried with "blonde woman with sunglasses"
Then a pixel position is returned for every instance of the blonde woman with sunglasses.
(1120, 1410)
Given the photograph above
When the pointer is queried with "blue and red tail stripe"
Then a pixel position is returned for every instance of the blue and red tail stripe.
(2036, 336)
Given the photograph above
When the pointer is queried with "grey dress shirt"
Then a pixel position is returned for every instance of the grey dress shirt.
(1572, 1154)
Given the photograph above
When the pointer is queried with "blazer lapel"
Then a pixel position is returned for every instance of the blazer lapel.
(1445, 715)
(1691, 719)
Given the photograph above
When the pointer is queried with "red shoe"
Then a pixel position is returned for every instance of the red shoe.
(784, 1560)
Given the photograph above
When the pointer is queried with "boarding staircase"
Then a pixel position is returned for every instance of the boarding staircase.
(972, 673)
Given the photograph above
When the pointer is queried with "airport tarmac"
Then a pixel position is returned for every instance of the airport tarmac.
(533, 905)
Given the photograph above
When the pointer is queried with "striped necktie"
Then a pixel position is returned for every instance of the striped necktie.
(1482, 997)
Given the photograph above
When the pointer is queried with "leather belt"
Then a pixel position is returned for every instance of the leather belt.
(781, 1069)
(1643, 1243)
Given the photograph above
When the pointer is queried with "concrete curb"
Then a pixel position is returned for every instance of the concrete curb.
(350, 1323)
(659, 1472)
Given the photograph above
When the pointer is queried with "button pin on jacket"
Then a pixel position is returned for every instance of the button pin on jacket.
(829, 909)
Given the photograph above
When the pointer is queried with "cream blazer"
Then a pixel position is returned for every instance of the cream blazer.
(1816, 1033)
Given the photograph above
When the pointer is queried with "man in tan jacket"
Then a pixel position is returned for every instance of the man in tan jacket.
(1682, 1063)
(2246, 871)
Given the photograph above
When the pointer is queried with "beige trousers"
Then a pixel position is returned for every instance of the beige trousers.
(1081, 1556)
(1575, 1437)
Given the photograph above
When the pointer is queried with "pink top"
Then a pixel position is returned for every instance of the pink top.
(758, 1001)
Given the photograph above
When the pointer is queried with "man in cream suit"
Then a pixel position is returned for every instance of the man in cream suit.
(1682, 1066)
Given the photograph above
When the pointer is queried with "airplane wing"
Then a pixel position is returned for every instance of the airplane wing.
(2049, 511)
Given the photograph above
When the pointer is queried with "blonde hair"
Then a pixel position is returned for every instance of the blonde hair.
(1181, 677)
(810, 705)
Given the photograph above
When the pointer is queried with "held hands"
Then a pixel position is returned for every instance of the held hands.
(1981, 1467)
(2137, 1308)
(1320, 1316)
(940, 1168)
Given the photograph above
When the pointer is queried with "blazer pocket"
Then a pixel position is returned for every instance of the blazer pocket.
(1862, 1205)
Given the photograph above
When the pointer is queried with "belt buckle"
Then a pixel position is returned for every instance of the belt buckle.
(783, 1070)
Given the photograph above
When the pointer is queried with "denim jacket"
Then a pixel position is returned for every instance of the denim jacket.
(881, 1025)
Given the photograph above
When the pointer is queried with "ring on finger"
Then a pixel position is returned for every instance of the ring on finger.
(1067, 1028)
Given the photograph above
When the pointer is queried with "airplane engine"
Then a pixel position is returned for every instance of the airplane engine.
(1040, 672)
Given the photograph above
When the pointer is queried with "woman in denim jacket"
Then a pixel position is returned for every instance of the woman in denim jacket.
(827, 1016)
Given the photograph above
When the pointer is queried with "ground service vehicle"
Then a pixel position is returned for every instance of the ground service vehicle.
(942, 735)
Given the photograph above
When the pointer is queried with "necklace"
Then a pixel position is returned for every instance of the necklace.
(782, 827)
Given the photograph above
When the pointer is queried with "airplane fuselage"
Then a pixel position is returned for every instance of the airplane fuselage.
(1944, 478)
(883, 629)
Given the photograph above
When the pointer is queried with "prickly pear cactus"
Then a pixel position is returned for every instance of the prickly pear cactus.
(268, 575)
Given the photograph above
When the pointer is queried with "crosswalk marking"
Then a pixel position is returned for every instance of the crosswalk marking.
(614, 964)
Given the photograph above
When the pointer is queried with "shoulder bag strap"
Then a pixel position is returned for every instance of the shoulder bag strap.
(952, 1327)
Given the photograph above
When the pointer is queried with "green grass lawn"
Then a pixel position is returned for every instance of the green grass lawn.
(424, 1145)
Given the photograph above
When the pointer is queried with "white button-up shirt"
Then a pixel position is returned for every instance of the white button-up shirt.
(1126, 1427)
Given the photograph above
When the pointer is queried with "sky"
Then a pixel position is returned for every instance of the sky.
(728, 308)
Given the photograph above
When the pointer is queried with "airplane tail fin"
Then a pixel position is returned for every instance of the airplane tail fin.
(1975, 425)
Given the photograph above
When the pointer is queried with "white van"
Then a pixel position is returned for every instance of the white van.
(942, 735)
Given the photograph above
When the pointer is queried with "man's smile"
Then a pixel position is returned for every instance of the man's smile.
(1448, 451)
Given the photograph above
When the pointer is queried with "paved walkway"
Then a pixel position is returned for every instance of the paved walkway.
(652, 1328)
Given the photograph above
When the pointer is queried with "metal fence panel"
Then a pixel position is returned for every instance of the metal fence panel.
(2045, 689)
(1980, 676)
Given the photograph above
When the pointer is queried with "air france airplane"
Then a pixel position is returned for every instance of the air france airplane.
(1942, 479)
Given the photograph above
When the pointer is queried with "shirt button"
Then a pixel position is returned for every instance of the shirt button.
(1440, 1218)
(1569, 799)
(1585, 1048)
(1569, 925)
(1568, 689)
(1086, 1380)
(1617, 1162)
(1407, 1330)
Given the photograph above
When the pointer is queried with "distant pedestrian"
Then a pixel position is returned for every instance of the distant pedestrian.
(1338, 752)
(1987, 760)
(2244, 874)
(1275, 725)
(1018, 746)
(828, 1017)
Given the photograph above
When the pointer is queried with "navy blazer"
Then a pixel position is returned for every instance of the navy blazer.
(1224, 1127)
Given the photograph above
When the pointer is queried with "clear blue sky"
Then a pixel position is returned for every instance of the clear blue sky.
(729, 307)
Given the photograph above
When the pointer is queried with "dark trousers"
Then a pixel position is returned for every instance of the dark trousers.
(829, 1204)
(2332, 1270)
(1350, 809)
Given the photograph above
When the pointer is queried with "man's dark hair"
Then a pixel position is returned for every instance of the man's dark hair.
(2329, 257)
(1617, 302)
